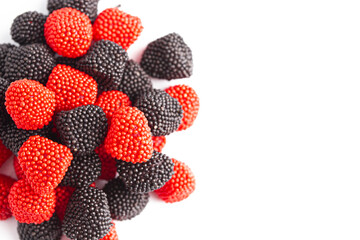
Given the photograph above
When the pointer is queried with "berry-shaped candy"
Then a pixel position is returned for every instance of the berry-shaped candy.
(148, 176)
(108, 163)
(111, 101)
(180, 186)
(168, 58)
(87, 215)
(159, 143)
(33, 61)
(48, 230)
(135, 81)
(28, 28)
(13, 137)
(163, 112)
(44, 163)
(5, 48)
(5, 186)
(129, 136)
(28, 206)
(72, 88)
(124, 204)
(18, 170)
(189, 102)
(5, 153)
(30, 104)
(82, 129)
(105, 62)
(112, 235)
(89, 7)
(68, 32)
(117, 26)
(63, 195)
(83, 171)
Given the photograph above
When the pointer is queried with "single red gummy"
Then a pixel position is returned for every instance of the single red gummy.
(68, 32)
(129, 136)
(30, 104)
(108, 163)
(117, 26)
(112, 235)
(28, 206)
(5, 186)
(189, 102)
(18, 170)
(44, 163)
(5, 153)
(111, 101)
(180, 186)
(159, 143)
(72, 88)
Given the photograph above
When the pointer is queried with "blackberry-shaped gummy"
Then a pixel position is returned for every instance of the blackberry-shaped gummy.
(135, 81)
(89, 7)
(34, 61)
(124, 204)
(168, 58)
(82, 129)
(163, 112)
(105, 62)
(83, 171)
(147, 176)
(13, 138)
(5, 48)
(87, 215)
(48, 230)
(28, 28)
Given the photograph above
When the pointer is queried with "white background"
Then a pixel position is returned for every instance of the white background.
(275, 148)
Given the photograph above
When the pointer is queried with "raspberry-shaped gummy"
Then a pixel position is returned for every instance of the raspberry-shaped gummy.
(129, 136)
(5, 153)
(87, 215)
(147, 176)
(72, 88)
(168, 58)
(163, 112)
(108, 163)
(68, 32)
(135, 81)
(189, 102)
(63, 194)
(111, 101)
(48, 230)
(28, 206)
(83, 171)
(5, 186)
(117, 26)
(89, 7)
(180, 186)
(33, 61)
(124, 204)
(112, 235)
(44, 163)
(105, 62)
(28, 28)
(159, 143)
(30, 104)
(82, 129)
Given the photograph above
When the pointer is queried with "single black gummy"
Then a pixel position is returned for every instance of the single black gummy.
(82, 129)
(49, 230)
(89, 7)
(28, 28)
(13, 137)
(87, 216)
(34, 61)
(83, 171)
(124, 204)
(146, 176)
(5, 48)
(135, 81)
(163, 112)
(105, 62)
(168, 58)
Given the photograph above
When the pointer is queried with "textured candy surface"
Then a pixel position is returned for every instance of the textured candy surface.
(159, 143)
(63, 194)
(5, 186)
(112, 235)
(28, 28)
(89, 7)
(111, 101)
(5, 153)
(108, 163)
